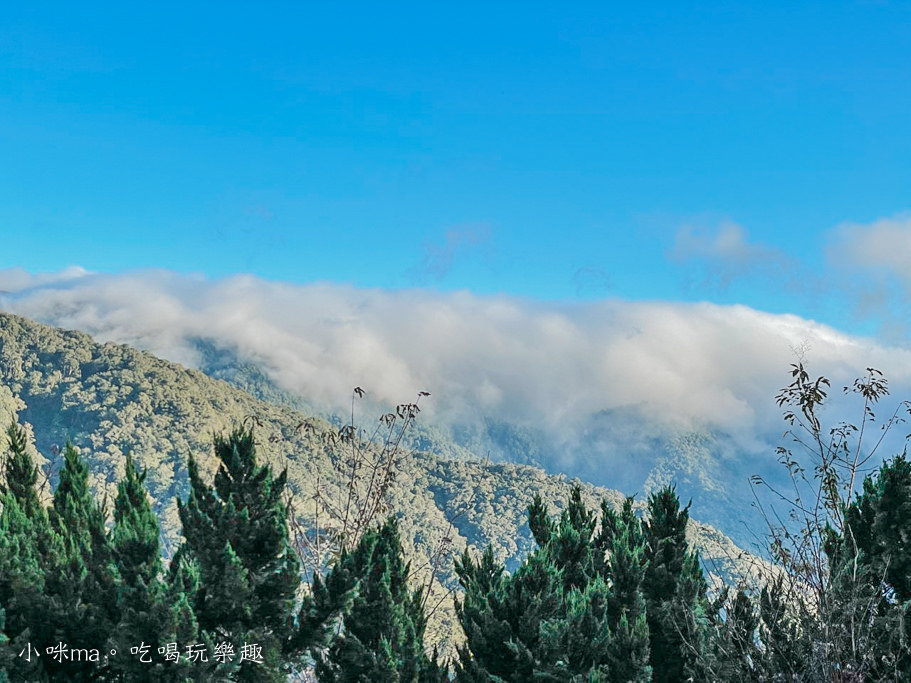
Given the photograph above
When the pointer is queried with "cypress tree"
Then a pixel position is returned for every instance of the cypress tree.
(56, 575)
(624, 540)
(236, 534)
(382, 632)
(29, 550)
(570, 612)
(147, 620)
(484, 620)
(563, 594)
(22, 582)
(6, 654)
(868, 574)
(786, 649)
(879, 523)
(82, 588)
(21, 473)
(675, 591)
(732, 654)
(327, 599)
(181, 589)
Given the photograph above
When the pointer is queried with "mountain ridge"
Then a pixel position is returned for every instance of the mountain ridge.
(111, 398)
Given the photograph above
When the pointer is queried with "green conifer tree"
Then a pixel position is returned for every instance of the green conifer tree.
(325, 601)
(29, 550)
(675, 591)
(148, 621)
(65, 581)
(879, 523)
(82, 587)
(571, 612)
(236, 535)
(624, 540)
(382, 631)
(484, 619)
(21, 473)
(56, 576)
(786, 649)
(731, 653)
(6, 654)
(868, 571)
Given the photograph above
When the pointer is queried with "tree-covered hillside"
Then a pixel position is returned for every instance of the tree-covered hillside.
(110, 400)
(644, 452)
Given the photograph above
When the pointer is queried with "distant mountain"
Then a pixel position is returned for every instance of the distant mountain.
(110, 399)
(624, 449)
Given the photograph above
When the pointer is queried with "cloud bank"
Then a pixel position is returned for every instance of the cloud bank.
(727, 254)
(883, 246)
(439, 257)
(550, 365)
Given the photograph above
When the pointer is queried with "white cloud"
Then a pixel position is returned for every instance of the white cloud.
(545, 364)
(439, 257)
(19, 279)
(726, 254)
(869, 266)
(884, 246)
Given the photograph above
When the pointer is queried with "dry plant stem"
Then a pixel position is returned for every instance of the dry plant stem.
(842, 642)
(365, 469)
(366, 466)
(349, 434)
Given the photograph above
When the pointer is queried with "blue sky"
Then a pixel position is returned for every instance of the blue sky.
(540, 215)
(737, 153)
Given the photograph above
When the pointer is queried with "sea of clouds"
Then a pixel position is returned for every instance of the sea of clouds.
(551, 365)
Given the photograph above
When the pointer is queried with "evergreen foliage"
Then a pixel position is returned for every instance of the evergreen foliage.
(624, 539)
(381, 637)
(110, 399)
(326, 599)
(82, 586)
(147, 619)
(58, 579)
(6, 655)
(868, 570)
(731, 652)
(782, 631)
(675, 590)
(557, 617)
(29, 551)
(21, 473)
(236, 532)
(878, 521)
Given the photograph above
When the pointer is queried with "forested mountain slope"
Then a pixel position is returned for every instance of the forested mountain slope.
(112, 399)
(625, 448)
